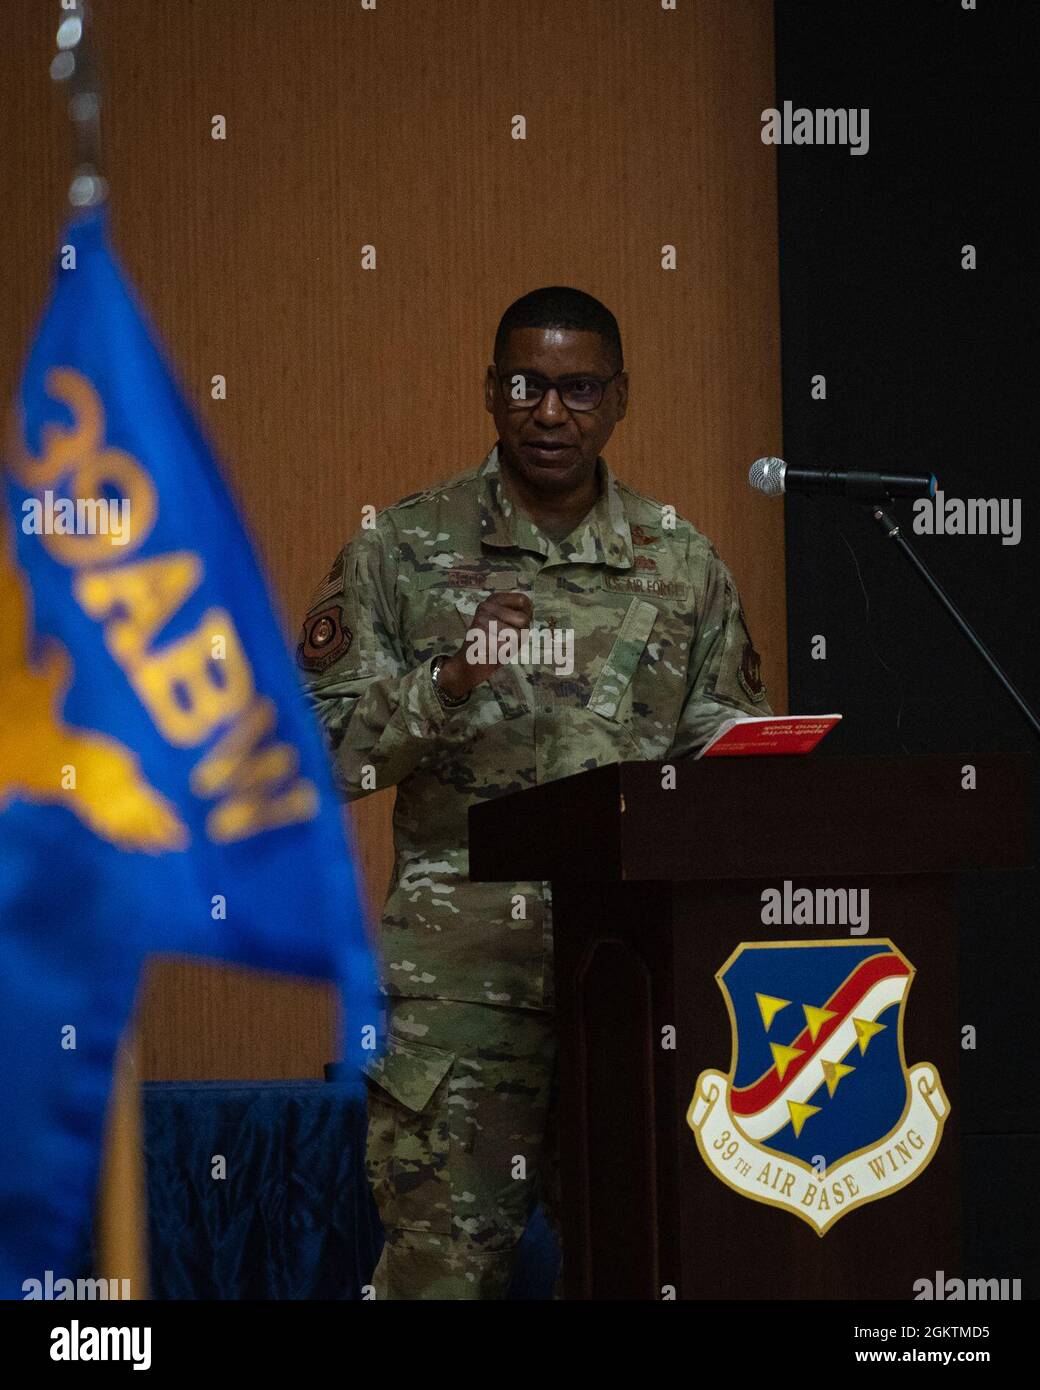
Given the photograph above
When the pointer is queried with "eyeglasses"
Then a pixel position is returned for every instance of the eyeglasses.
(523, 390)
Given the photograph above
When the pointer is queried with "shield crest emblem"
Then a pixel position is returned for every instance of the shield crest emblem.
(819, 1112)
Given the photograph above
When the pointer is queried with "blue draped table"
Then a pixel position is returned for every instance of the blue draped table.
(293, 1216)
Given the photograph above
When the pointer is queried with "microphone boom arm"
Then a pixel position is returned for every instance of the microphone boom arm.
(891, 530)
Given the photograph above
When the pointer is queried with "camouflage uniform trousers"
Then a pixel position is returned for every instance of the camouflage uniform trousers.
(461, 1145)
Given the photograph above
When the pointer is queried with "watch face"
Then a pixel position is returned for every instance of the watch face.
(445, 699)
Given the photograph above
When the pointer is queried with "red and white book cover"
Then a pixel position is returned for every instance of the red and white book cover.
(770, 735)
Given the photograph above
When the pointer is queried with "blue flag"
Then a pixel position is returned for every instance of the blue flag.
(163, 786)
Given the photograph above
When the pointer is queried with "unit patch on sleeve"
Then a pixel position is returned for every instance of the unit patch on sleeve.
(750, 673)
(324, 639)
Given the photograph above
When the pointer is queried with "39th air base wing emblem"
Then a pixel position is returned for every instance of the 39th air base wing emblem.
(819, 1113)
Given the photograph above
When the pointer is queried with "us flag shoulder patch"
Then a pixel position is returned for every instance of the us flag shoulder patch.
(329, 587)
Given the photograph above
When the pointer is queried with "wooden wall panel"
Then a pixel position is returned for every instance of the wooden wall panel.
(392, 127)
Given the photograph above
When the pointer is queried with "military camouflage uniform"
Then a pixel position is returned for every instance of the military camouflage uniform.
(459, 1106)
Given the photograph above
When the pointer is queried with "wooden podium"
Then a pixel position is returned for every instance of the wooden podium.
(653, 890)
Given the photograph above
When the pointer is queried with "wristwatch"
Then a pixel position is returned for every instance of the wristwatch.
(448, 701)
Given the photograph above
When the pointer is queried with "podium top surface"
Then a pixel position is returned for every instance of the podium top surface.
(761, 818)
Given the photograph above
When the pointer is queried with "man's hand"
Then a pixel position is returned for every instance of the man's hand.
(458, 676)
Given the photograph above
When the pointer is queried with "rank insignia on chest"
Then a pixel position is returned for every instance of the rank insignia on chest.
(324, 639)
(819, 1113)
(642, 537)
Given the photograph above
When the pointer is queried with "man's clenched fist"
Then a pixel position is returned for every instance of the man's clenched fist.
(458, 676)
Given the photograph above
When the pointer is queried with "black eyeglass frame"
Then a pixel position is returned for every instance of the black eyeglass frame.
(556, 383)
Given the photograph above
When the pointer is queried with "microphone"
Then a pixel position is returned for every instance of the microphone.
(774, 476)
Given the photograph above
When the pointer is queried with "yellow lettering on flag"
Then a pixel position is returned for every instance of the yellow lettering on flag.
(188, 694)
(147, 595)
(249, 776)
(191, 686)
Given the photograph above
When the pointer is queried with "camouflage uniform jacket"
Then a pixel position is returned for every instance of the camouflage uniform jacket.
(662, 657)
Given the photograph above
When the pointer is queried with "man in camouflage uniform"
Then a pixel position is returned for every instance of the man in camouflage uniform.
(540, 535)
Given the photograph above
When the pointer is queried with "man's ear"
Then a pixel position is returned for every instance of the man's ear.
(622, 390)
(489, 391)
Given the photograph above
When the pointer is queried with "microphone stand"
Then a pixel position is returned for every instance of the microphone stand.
(891, 530)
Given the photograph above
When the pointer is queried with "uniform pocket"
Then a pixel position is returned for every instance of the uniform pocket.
(410, 1071)
(616, 674)
(408, 1135)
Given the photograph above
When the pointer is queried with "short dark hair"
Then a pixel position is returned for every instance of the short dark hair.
(558, 306)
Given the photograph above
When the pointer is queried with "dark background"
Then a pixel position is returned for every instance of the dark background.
(929, 368)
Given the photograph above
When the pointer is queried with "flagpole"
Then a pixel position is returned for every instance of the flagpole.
(75, 65)
(122, 1203)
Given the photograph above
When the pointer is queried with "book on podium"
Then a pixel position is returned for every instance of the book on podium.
(768, 735)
